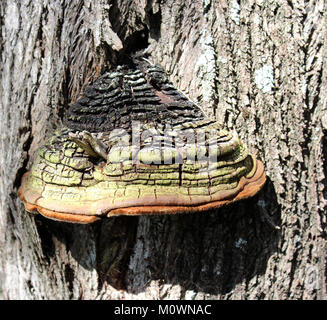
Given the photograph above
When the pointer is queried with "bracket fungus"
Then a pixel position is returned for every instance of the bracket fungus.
(133, 145)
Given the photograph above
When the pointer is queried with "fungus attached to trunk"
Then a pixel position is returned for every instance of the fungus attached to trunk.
(135, 145)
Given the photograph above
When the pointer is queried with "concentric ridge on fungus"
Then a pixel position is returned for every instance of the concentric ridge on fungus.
(135, 145)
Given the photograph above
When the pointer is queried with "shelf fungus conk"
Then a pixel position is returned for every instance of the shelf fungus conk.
(135, 145)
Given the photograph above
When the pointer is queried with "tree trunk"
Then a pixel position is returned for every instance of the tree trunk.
(257, 66)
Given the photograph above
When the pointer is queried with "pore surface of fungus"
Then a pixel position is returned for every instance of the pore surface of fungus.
(133, 144)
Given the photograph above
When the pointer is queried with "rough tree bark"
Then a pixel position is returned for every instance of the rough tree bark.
(257, 66)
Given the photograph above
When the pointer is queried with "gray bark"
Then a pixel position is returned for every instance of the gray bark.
(257, 66)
